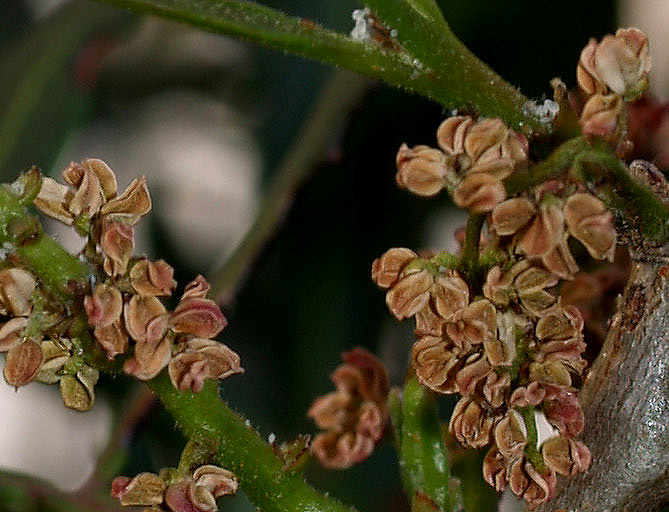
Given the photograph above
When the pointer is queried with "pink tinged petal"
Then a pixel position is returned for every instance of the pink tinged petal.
(495, 469)
(152, 277)
(450, 293)
(201, 498)
(188, 371)
(511, 215)
(563, 410)
(332, 411)
(601, 115)
(472, 374)
(422, 170)
(113, 339)
(89, 196)
(471, 424)
(218, 481)
(139, 313)
(200, 317)
(591, 224)
(410, 294)
(149, 359)
(531, 395)
(117, 242)
(371, 421)
(22, 363)
(222, 362)
(197, 288)
(496, 387)
(144, 489)
(479, 192)
(341, 450)
(545, 232)
(586, 75)
(436, 364)
(53, 199)
(511, 434)
(11, 333)
(374, 383)
(386, 268)
(104, 174)
(104, 307)
(566, 456)
(560, 261)
(451, 134)
(177, 498)
(131, 205)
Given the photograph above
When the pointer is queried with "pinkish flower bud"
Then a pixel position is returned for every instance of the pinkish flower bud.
(473, 324)
(601, 115)
(410, 293)
(495, 469)
(74, 174)
(337, 450)
(563, 410)
(202, 359)
(89, 196)
(436, 364)
(474, 371)
(104, 306)
(16, 288)
(591, 223)
(145, 318)
(511, 215)
(371, 377)
(200, 317)
(218, 481)
(144, 489)
(117, 242)
(471, 424)
(131, 205)
(422, 170)
(429, 323)
(496, 387)
(560, 261)
(11, 333)
(531, 395)
(178, 498)
(113, 338)
(53, 200)
(22, 363)
(565, 455)
(387, 267)
(152, 277)
(545, 232)
(149, 359)
(479, 192)
(527, 483)
(197, 288)
(449, 293)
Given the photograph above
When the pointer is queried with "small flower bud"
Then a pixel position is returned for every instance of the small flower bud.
(11, 333)
(544, 233)
(531, 395)
(74, 174)
(53, 200)
(563, 410)
(591, 223)
(560, 261)
(117, 242)
(565, 455)
(202, 359)
(16, 288)
(471, 424)
(77, 391)
(89, 196)
(145, 489)
(200, 317)
(113, 339)
(131, 205)
(150, 358)
(152, 277)
(495, 469)
(527, 483)
(104, 306)
(422, 170)
(197, 288)
(479, 192)
(387, 267)
(145, 318)
(436, 364)
(496, 388)
(601, 115)
(511, 215)
(451, 135)
(218, 481)
(337, 450)
(473, 324)
(474, 371)
(410, 294)
(22, 363)
(511, 435)
(54, 356)
(450, 293)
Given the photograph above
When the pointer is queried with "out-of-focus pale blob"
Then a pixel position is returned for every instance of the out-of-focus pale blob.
(44, 439)
(652, 17)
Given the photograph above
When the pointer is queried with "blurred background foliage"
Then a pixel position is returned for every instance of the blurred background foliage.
(78, 74)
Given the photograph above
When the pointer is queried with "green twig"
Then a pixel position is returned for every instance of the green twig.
(424, 459)
(441, 68)
(469, 262)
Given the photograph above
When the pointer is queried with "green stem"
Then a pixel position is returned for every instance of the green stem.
(205, 418)
(424, 459)
(531, 450)
(469, 262)
(441, 68)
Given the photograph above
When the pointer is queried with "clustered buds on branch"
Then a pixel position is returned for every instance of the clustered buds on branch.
(174, 493)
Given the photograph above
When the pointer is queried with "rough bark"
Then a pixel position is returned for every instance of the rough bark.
(626, 402)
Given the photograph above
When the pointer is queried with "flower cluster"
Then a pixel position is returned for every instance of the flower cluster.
(511, 354)
(123, 310)
(609, 73)
(355, 415)
(167, 492)
(475, 157)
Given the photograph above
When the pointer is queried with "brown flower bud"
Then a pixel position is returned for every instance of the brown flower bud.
(117, 242)
(530, 285)
(563, 410)
(11, 333)
(501, 350)
(150, 358)
(429, 323)
(531, 395)
(145, 318)
(471, 424)
(550, 372)
(560, 323)
(144, 489)
(113, 338)
(370, 380)
(474, 371)
(511, 215)
(188, 371)
(89, 196)
(560, 261)
(591, 223)
(410, 294)
(332, 411)
(565, 455)
(494, 147)
(450, 293)
(473, 324)
(131, 205)
(200, 317)
(338, 450)
(422, 170)
(16, 288)
(387, 267)
(218, 481)
(601, 114)
(53, 200)
(496, 387)
(436, 364)
(152, 277)
(479, 192)
(527, 483)
(22, 363)
(74, 174)
(104, 307)
(451, 137)
(545, 232)
(77, 391)
(197, 288)
(202, 359)
(511, 435)
(494, 469)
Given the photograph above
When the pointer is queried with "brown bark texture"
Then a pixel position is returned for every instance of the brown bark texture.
(626, 402)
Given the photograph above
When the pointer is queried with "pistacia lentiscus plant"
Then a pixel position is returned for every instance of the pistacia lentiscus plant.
(501, 323)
